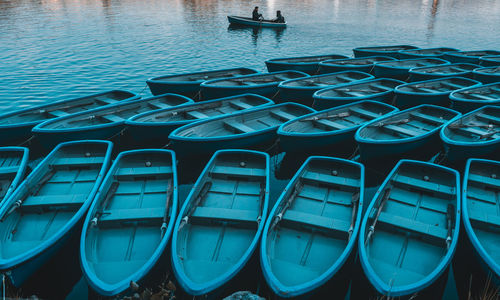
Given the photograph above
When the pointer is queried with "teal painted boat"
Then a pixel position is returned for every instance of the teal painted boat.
(471, 57)
(13, 163)
(487, 74)
(400, 69)
(306, 64)
(409, 133)
(331, 130)
(489, 61)
(130, 221)
(440, 71)
(468, 99)
(381, 89)
(389, 50)
(425, 53)
(188, 84)
(362, 64)
(261, 84)
(220, 223)
(410, 231)
(43, 212)
(15, 126)
(254, 128)
(301, 90)
(101, 123)
(311, 232)
(244, 21)
(476, 134)
(435, 91)
(480, 213)
(153, 127)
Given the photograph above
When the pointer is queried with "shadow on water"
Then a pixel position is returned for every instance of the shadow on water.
(256, 32)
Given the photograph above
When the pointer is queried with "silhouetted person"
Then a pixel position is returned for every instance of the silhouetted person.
(279, 17)
(255, 14)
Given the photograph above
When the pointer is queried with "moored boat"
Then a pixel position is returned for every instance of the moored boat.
(188, 84)
(254, 128)
(480, 213)
(301, 90)
(487, 74)
(411, 133)
(220, 223)
(426, 52)
(380, 89)
(331, 130)
(15, 126)
(361, 64)
(101, 123)
(245, 21)
(306, 64)
(476, 134)
(399, 69)
(489, 61)
(410, 231)
(472, 98)
(472, 57)
(311, 232)
(389, 50)
(41, 214)
(13, 163)
(261, 84)
(130, 221)
(440, 71)
(435, 91)
(153, 127)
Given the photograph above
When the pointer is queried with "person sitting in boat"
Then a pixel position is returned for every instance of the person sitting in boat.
(255, 14)
(279, 17)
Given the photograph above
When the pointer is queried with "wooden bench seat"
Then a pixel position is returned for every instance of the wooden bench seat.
(78, 161)
(282, 115)
(430, 230)
(420, 184)
(427, 118)
(225, 214)
(71, 200)
(237, 127)
(132, 215)
(330, 179)
(320, 222)
(143, 171)
(238, 172)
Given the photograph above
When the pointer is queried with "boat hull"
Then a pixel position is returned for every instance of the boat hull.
(310, 68)
(380, 51)
(417, 75)
(242, 21)
(386, 70)
(485, 77)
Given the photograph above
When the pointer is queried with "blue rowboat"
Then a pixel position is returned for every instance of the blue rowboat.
(399, 69)
(153, 127)
(435, 91)
(301, 90)
(42, 213)
(220, 223)
(472, 98)
(480, 213)
(306, 64)
(312, 230)
(261, 84)
(101, 123)
(410, 231)
(440, 71)
(409, 133)
(390, 50)
(489, 61)
(15, 126)
(487, 74)
(380, 89)
(476, 134)
(244, 21)
(362, 64)
(328, 130)
(471, 57)
(188, 84)
(254, 128)
(130, 221)
(13, 163)
(425, 53)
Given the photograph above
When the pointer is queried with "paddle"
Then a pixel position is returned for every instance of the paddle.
(379, 210)
(104, 114)
(450, 216)
(354, 201)
(261, 202)
(41, 111)
(462, 125)
(109, 195)
(297, 188)
(336, 116)
(167, 207)
(397, 122)
(204, 190)
(184, 111)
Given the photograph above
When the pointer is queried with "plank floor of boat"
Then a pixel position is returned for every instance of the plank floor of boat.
(313, 232)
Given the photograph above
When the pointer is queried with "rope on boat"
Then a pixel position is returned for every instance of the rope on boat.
(197, 96)
(120, 133)
(27, 142)
(140, 93)
(371, 230)
(166, 145)
(354, 154)
(276, 94)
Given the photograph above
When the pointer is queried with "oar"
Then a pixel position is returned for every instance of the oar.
(58, 108)
(297, 188)
(462, 125)
(354, 201)
(489, 134)
(109, 195)
(204, 190)
(105, 114)
(336, 116)
(167, 208)
(261, 202)
(183, 111)
(397, 122)
(371, 230)
(450, 216)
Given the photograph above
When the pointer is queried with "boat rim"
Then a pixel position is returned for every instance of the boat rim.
(455, 94)
(398, 90)
(382, 64)
(331, 62)
(457, 74)
(213, 83)
(282, 60)
(317, 94)
(158, 79)
(284, 84)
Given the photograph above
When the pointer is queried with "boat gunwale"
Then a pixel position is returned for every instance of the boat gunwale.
(368, 49)
(317, 94)
(398, 90)
(463, 53)
(454, 95)
(283, 84)
(200, 289)
(282, 60)
(417, 69)
(158, 78)
(428, 280)
(297, 290)
(382, 64)
(331, 62)
(417, 55)
(209, 84)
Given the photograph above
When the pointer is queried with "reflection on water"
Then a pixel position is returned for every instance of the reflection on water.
(257, 32)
